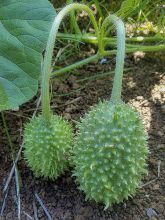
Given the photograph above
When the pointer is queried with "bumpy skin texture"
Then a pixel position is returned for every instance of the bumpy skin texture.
(110, 152)
(47, 146)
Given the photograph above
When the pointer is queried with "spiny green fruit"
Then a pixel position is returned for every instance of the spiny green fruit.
(110, 153)
(47, 146)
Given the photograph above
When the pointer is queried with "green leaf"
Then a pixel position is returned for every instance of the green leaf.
(24, 29)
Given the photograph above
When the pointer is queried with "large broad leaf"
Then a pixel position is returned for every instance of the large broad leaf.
(24, 29)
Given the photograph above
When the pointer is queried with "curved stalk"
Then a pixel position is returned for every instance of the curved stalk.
(46, 67)
(117, 84)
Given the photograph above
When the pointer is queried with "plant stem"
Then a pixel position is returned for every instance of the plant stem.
(74, 23)
(106, 53)
(91, 38)
(8, 136)
(46, 67)
(75, 65)
(117, 84)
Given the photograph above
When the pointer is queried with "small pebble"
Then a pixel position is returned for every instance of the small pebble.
(160, 134)
(162, 91)
(139, 98)
(161, 146)
(103, 61)
(67, 116)
(156, 187)
(161, 208)
(145, 103)
(157, 96)
(151, 212)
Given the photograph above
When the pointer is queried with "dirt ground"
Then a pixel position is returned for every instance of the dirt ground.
(143, 88)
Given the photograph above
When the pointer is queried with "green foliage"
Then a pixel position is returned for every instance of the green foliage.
(128, 7)
(47, 146)
(24, 29)
(73, 23)
(121, 8)
(110, 152)
(133, 11)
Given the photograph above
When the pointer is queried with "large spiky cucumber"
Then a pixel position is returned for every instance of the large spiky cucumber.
(110, 152)
(47, 146)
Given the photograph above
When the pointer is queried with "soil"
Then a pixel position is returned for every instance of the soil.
(143, 88)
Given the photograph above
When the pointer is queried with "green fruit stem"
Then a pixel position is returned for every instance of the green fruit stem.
(46, 67)
(117, 84)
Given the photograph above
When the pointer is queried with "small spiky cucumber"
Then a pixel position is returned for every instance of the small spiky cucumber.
(48, 138)
(47, 146)
(110, 152)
